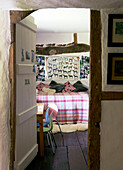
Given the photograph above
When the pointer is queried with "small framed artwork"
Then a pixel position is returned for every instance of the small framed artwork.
(32, 57)
(22, 54)
(115, 68)
(115, 30)
(27, 55)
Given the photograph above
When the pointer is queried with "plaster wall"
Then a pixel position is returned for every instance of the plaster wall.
(58, 38)
(4, 90)
(36, 4)
(111, 135)
(62, 38)
(111, 150)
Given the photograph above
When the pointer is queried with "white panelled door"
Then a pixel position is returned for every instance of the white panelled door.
(26, 109)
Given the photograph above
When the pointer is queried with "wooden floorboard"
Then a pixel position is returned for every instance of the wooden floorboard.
(58, 139)
(70, 139)
(71, 156)
(76, 158)
(84, 151)
(83, 138)
(60, 161)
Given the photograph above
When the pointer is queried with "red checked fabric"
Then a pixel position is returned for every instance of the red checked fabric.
(72, 107)
(68, 87)
(41, 85)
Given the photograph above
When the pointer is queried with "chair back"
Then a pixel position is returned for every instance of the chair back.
(46, 118)
(51, 121)
(47, 115)
(54, 108)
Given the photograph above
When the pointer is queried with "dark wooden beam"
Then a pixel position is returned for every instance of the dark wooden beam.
(15, 17)
(52, 50)
(12, 76)
(95, 93)
(112, 95)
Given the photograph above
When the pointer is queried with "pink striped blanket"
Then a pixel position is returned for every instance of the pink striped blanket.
(72, 107)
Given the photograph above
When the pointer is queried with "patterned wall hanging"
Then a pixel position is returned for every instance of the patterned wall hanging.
(63, 67)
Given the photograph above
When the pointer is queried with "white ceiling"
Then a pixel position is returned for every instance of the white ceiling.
(68, 20)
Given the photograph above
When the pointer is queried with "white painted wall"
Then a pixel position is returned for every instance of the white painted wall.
(111, 135)
(4, 90)
(62, 38)
(112, 111)
(58, 38)
(84, 37)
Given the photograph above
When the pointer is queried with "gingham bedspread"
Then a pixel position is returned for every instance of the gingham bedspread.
(72, 107)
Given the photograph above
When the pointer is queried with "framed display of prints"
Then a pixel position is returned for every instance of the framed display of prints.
(115, 30)
(63, 67)
(115, 68)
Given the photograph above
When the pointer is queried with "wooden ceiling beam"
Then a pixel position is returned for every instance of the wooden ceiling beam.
(75, 38)
(52, 50)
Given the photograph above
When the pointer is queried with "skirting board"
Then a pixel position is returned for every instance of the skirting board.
(27, 158)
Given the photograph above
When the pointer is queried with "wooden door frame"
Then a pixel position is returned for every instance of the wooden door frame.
(95, 88)
(95, 92)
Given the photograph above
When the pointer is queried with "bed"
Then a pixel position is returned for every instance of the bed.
(73, 107)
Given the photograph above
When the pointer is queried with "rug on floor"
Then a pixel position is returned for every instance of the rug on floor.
(70, 127)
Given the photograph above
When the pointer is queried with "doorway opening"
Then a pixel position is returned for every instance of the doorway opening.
(95, 17)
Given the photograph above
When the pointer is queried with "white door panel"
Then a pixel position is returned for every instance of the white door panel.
(26, 109)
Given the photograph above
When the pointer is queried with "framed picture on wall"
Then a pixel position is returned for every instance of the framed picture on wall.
(27, 55)
(115, 68)
(115, 30)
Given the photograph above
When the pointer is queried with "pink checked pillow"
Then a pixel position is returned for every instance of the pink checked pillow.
(41, 85)
(67, 83)
(68, 87)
